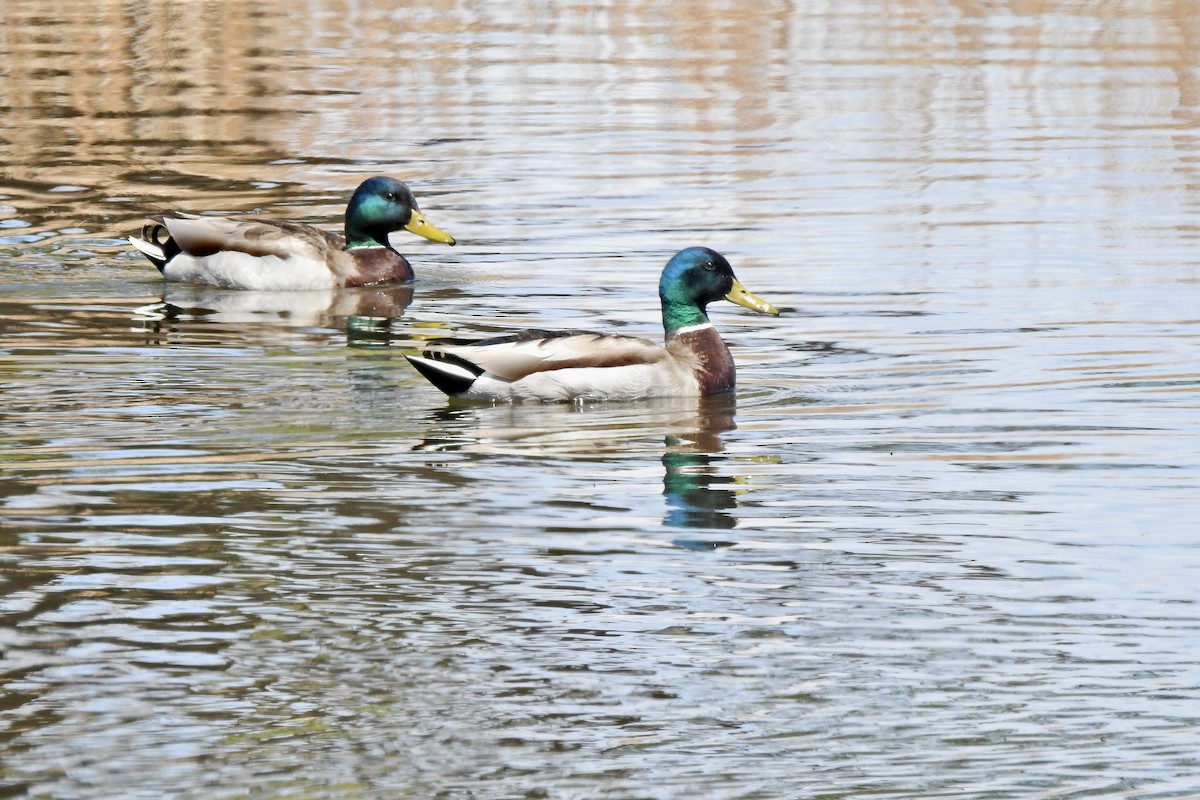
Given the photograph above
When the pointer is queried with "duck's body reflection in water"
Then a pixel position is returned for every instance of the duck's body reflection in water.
(690, 429)
(696, 495)
(363, 310)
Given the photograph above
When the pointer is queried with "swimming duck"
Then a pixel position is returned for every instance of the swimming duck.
(272, 255)
(537, 365)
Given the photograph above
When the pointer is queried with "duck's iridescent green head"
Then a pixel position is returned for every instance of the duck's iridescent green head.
(695, 277)
(381, 205)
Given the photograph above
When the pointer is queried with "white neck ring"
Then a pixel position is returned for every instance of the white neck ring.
(703, 326)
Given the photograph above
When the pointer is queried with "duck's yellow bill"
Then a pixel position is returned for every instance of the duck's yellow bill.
(745, 299)
(420, 226)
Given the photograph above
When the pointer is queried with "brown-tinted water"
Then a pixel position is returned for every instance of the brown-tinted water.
(943, 542)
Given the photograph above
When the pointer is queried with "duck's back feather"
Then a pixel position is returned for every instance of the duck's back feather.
(514, 357)
(204, 236)
(557, 365)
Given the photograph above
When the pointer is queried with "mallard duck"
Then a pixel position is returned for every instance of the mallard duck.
(272, 255)
(537, 365)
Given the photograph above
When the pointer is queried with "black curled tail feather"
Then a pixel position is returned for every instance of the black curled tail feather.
(161, 248)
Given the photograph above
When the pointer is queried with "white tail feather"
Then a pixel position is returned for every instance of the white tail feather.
(149, 248)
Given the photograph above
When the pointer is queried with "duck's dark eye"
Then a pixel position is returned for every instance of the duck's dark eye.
(390, 196)
(710, 266)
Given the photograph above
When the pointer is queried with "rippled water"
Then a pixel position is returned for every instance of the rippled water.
(943, 543)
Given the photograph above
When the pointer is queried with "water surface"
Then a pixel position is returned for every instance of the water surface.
(942, 543)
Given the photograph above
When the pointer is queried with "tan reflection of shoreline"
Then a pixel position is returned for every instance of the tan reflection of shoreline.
(198, 104)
